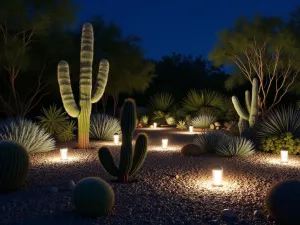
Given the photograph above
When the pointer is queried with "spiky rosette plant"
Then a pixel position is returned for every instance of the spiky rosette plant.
(83, 111)
(251, 104)
(130, 161)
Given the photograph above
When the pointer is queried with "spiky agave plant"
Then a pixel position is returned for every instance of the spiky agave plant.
(235, 146)
(278, 121)
(208, 141)
(203, 121)
(162, 102)
(130, 161)
(30, 135)
(203, 102)
(103, 127)
(83, 111)
(181, 125)
(144, 119)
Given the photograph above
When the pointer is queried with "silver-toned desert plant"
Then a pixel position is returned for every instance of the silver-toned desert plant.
(208, 141)
(30, 135)
(181, 125)
(203, 121)
(235, 146)
(144, 119)
(162, 102)
(278, 121)
(103, 127)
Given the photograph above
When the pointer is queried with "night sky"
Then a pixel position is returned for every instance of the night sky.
(184, 26)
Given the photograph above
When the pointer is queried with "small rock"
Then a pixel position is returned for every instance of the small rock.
(213, 222)
(228, 215)
(217, 124)
(71, 185)
(177, 176)
(257, 213)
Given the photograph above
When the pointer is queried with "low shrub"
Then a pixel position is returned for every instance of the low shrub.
(30, 135)
(286, 140)
(103, 127)
(66, 133)
(203, 121)
(144, 120)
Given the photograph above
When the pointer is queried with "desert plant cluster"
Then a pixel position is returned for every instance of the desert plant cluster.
(208, 124)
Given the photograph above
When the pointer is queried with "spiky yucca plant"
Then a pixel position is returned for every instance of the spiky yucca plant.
(170, 120)
(130, 160)
(181, 125)
(203, 121)
(53, 118)
(235, 146)
(277, 122)
(103, 127)
(210, 140)
(30, 135)
(203, 102)
(83, 111)
(66, 132)
(162, 102)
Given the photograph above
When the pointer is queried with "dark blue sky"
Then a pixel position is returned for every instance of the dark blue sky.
(184, 26)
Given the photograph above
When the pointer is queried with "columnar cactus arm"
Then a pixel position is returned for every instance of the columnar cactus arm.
(107, 161)
(248, 100)
(86, 62)
(254, 103)
(139, 153)
(101, 81)
(239, 109)
(66, 89)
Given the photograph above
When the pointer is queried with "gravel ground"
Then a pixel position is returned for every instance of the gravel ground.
(160, 197)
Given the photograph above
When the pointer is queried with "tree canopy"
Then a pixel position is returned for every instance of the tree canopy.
(263, 47)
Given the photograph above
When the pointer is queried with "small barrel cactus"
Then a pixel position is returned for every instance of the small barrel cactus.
(14, 164)
(93, 197)
(282, 202)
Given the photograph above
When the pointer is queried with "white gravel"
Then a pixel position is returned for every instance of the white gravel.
(159, 197)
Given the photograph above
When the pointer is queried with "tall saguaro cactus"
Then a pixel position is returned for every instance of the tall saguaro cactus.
(130, 161)
(251, 107)
(83, 111)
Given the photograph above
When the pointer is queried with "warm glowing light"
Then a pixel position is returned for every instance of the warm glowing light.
(64, 153)
(217, 174)
(284, 153)
(164, 143)
(154, 125)
(191, 129)
(116, 139)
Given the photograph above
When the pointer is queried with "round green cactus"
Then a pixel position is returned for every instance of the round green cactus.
(93, 197)
(14, 164)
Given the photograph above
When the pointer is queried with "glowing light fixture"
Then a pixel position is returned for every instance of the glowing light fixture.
(217, 176)
(116, 138)
(284, 153)
(191, 129)
(64, 153)
(164, 143)
(154, 125)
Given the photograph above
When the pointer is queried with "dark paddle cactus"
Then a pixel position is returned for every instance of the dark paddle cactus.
(14, 164)
(130, 161)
